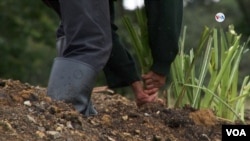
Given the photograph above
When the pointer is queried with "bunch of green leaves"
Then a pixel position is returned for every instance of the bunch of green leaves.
(208, 77)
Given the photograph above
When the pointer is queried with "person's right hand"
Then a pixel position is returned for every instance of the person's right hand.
(153, 82)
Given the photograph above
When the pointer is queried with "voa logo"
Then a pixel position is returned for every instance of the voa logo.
(236, 132)
(220, 17)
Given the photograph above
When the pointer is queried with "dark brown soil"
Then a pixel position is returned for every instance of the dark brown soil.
(26, 114)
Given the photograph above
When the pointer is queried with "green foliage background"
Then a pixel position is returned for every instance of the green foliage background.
(27, 34)
(26, 40)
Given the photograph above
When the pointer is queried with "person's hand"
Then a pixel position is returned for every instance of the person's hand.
(153, 82)
(140, 96)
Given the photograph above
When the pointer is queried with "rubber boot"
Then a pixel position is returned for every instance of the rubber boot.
(72, 81)
(60, 46)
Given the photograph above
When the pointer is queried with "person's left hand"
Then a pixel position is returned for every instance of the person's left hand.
(140, 96)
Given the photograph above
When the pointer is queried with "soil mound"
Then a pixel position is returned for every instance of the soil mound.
(27, 114)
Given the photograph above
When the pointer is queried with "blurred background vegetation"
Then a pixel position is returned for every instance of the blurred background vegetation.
(27, 34)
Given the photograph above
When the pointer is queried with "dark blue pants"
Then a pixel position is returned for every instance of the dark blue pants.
(88, 27)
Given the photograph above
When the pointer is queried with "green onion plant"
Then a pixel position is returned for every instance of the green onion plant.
(205, 77)
(209, 76)
(139, 39)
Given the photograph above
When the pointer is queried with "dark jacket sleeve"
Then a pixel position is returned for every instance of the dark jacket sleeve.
(120, 70)
(54, 4)
(164, 27)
